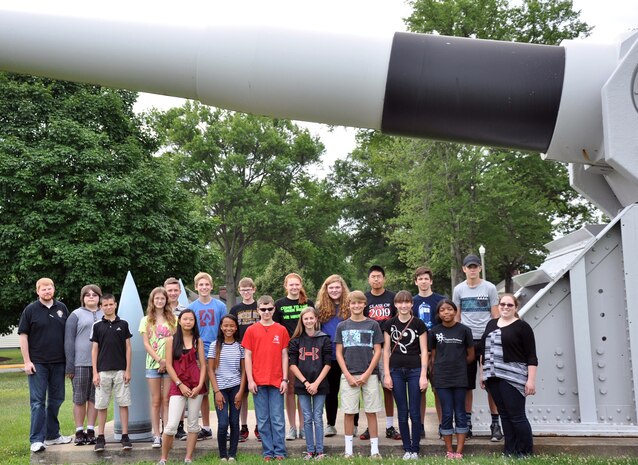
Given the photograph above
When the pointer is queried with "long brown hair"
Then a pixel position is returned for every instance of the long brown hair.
(325, 306)
(152, 310)
(300, 329)
(303, 298)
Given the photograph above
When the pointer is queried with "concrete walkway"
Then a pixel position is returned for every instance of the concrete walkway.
(431, 446)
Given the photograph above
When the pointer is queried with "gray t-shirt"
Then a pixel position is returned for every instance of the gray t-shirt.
(358, 339)
(475, 304)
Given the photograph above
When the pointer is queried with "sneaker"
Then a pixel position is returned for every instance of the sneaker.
(347, 456)
(180, 435)
(469, 435)
(157, 442)
(59, 440)
(407, 456)
(232, 459)
(320, 456)
(243, 434)
(90, 436)
(80, 438)
(280, 457)
(257, 434)
(365, 435)
(291, 434)
(161, 462)
(37, 447)
(204, 434)
(308, 455)
(100, 443)
(330, 431)
(375, 456)
(415, 455)
(223, 459)
(496, 433)
(188, 461)
(392, 433)
(126, 442)
(301, 434)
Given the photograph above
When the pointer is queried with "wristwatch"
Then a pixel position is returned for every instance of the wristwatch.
(285, 380)
(177, 384)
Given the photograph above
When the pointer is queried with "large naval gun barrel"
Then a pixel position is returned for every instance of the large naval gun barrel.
(523, 96)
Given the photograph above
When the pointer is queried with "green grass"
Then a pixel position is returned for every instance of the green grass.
(10, 356)
(14, 437)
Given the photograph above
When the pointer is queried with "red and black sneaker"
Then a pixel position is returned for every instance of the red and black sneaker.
(243, 433)
(257, 434)
(365, 435)
(392, 433)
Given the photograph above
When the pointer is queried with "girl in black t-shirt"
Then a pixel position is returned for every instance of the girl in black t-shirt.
(405, 361)
(451, 348)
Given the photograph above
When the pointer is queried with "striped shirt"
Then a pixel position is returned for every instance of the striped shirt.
(228, 373)
(515, 373)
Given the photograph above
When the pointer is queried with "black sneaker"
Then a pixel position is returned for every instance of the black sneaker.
(80, 438)
(243, 433)
(496, 433)
(257, 434)
(181, 434)
(100, 443)
(392, 433)
(469, 434)
(422, 431)
(204, 434)
(90, 436)
(365, 436)
(126, 442)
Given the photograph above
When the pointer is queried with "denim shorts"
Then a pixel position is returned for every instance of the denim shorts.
(153, 373)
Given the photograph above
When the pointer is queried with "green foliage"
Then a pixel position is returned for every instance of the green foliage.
(250, 174)
(82, 198)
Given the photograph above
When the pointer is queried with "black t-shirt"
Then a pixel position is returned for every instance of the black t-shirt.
(246, 314)
(380, 308)
(404, 342)
(287, 312)
(44, 328)
(450, 360)
(111, 338)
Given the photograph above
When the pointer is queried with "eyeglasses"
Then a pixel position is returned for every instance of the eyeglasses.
(267, 309)
(246, 290)
(503, 304)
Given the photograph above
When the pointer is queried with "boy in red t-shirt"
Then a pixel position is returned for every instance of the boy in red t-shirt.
(266, 346)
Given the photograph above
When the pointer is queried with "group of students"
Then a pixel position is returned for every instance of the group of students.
(347, 345)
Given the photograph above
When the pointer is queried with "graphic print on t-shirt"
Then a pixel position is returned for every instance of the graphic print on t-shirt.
(404, 338)
(358, 338)
(479, 303)
(206, 317)
(380, 312)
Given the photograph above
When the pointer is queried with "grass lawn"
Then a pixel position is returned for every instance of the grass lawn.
(10, 356)
(14, 437)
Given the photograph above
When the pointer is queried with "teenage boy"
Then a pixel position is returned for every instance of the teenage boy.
(111, 357)
(424, 307)
(79, 364)
(380, 308)
(247, 314)
(477, 300)
(209, 313)
(41, 331)
(358, 350)
(173, 290)
(266, 359)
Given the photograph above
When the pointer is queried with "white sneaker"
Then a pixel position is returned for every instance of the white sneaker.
(291, 434)
(37, 447)
(329, 431)
(59, 440)
(157, 442)
(301, 434)
(407, 456)
(415, 455)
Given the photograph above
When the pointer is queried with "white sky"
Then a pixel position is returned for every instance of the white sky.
(367, 17)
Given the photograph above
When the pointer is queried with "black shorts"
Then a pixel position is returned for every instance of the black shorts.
(472, 367)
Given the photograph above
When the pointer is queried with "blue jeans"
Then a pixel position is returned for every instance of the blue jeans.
(312, 408)
(228, 415)
(408, 401)
(452, 402)
(46, 394)
(517, 432)
(269, 409)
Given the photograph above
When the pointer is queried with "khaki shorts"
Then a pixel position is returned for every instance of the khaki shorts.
(370, 391)
(112, 382)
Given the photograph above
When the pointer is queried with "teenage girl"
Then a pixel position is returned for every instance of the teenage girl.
(405, 360)
(228, 378)
(332, 309)
(310, 356)
(156, 327)
(452, 348)
(183, 359)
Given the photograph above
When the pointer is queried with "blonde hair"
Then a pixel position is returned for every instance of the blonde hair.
(203, 275)
(43, 282)
(303, 298)
(152, 310)
(355, 296)
(246, 282)
(325, 306)
(300, 329)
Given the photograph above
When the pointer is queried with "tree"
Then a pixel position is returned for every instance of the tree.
(82, 198)
(249, 172)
